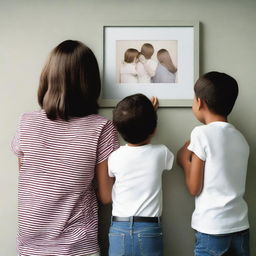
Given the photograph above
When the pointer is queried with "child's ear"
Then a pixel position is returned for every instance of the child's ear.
(201, 103)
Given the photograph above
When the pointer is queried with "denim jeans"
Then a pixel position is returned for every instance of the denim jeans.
(135, 239)
(233, 244)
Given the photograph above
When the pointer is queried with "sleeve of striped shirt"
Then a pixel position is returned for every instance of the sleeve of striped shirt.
(108, 142)
(15, 144)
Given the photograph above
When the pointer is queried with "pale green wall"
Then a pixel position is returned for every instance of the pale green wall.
(30, 29)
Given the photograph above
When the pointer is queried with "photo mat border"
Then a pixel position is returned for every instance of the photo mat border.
(109, 103)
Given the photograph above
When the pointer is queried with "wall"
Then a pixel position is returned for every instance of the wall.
(30, 29)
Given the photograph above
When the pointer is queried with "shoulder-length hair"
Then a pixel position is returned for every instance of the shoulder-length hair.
(165, 59)
(70, 82)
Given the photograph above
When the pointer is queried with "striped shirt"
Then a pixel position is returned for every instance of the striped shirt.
(57, 205)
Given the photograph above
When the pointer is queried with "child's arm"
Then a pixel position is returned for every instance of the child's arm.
(148, 66)
(193, 168)
(104, 182)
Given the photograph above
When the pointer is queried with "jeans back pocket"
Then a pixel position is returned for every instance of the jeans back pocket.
(116, 244)
(151, 244)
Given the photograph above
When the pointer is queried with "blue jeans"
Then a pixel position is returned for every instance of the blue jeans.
(233, 244)
(135, 239)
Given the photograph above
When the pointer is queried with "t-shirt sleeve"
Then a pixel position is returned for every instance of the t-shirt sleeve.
(111, 166)
(169, 158)
(197, 143)
(108, 142)
(15, 144)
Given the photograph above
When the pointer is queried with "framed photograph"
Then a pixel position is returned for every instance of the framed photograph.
(159, 60)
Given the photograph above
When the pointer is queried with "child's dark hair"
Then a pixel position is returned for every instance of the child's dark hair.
(218, 90)
(70, 82)
(135, 118)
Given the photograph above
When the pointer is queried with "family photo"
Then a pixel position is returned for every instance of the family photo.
(161, 61)
(147, 62)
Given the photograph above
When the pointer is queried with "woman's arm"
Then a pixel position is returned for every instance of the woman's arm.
(19, 163)
(104, 182)
(193, 168)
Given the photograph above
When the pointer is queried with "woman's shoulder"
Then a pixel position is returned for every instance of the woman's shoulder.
(32, 114)
(40, 114)
(95, 119)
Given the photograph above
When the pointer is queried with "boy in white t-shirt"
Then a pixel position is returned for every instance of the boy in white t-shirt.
(215, 166)
(137, 191)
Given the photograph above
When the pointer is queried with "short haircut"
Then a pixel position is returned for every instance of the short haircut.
(147, 50)
(70, 82)
(218, 90)
(135, 118)
(130, 55)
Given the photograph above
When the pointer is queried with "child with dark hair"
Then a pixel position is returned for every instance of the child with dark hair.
(215, 166)
(137, 191)
(146, 67)
(61, 149)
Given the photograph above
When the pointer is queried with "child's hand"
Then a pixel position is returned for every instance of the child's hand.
(184, 155)
(155, 102)
(142, 59)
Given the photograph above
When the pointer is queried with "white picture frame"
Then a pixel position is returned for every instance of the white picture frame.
(180, 38)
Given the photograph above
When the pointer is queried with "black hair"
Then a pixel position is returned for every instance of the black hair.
(135, 118)
(218, 90)
(70, 82)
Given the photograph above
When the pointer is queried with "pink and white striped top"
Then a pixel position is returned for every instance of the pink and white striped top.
(57, 205)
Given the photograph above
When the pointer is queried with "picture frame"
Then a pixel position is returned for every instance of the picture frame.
(173, 42)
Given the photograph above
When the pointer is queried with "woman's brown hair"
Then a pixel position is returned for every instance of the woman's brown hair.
(70, 82)
(165, 59)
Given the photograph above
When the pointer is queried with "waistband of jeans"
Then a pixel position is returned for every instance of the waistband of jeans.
(136, 219)
(227, 234)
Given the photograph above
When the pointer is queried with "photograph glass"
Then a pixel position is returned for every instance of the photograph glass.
(146, 62)
(159, 61)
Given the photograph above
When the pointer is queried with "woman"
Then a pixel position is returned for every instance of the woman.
(165, 71)
(61, 148)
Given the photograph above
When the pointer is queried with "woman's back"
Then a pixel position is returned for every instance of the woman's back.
(57, 201)
(163, 75)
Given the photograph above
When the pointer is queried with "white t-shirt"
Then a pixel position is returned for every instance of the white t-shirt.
(137, 190)
(220, 208)
(146, 71)
(128, 73)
